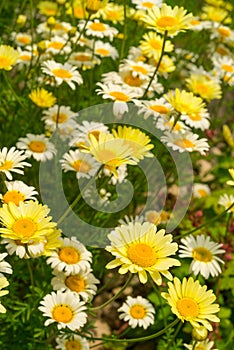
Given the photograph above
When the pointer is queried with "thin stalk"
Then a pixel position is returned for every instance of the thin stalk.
(114, 297)
(124, 32)
(30, 272)
(175, 334)
(194, 345)
(158, 64)
(13, 91)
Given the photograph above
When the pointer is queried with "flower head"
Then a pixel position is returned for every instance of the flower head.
(204, 86)
(74, 341)
(8, 57)
(37, 146)
(12, 160)
(18, 191)
(42, 98)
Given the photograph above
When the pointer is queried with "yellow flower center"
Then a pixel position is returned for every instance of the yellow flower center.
(222, 51)
(81, 166)
(195, 117)
(97, 26)
(228, 68)
(112, 15)
(132, 81)
(25, 57)
(61, 118)
(155, 44)
(202, 254)
(119, 96)
(6, 165)
(103, 52)
(61, 73)
(109, 158)
(195, 22)
(13, 196)
(62, 313)
(184, 143)
(167, 21)
(73, 345)
(76, 283)
(187, 307)
(69, 255)
(37, 146)
(56, 45)
(137, 311)
(140, 69)
(25, 227)
(24, 40)
(159, 109)
(170, 124)
(147, 4)
(82, 58)
(202, 192)
(142, 254)
(224, 31)
(153, 217)
(202, 88)
(4, 62)
(79, 12)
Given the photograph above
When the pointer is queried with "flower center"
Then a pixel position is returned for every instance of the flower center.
(202, 88)
(137, 311)
(97, 26)
(228, 68)
(108, 157)
(195, 22)
(147, 4)
(76, 283)
(196, 117)
(155, 44)
(61, 118)
(119, 96)
(56, 45)
(13, 196)
(159, 109)
(142, 254)
(167, 21)
(73, 345)
(140, 69)
(37, 146)
(82, 58)
(222, 51)
(25, 227)
(184, 143)
(69, 255)
(133, 81)
(103, 52)
(81, 166)
(202, 192)
(6, 165)
(24, 40)
(224, 31)
(202, 254)
(61, 73)
(62, 313)
(25, 57)
(187, 307)
(4, 62)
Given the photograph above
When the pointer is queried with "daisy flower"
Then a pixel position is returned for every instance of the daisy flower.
(156, 217)
(105, 50)
(57, 44)
(146, 5)
(226, 201)
(71, 258)
(200, 190)
(192, 302)
(80, 136)
(62, 73)
(166, 18)
(12, 160)
(215, 14)
(204, 86)
(165, 123)
(47, 8)
(65, 342)
(65, 309)
(25, 222)
(37, 146)
(203, 251)
(186, 141)
(111, 12)
(185, 102)
(139, 248)
(166, 65)
(224, 67)
(197, 120)
(137, 312)
(83, 164)
(5, 267)
(22, 39)
(137, 69)
(151, 45)
(8, 57)
(200, 345)
(3, 283)
(82, 284)
(18, 191)
(231, 182)
(98, 29)
(84, 59)
(42, 98)
(156, 108)
(59, 116)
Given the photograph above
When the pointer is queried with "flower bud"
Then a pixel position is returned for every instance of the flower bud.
(227, 134)
(41, 46)
(51, 22)
(21, 20)
(92, 6)
(199, 333)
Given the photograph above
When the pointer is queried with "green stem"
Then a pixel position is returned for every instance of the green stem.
(194, 345)
(114, 297)
(158, 64)
(13, 91)
(30, 271)
(124, 32)
(175, 334)
(159, 299)
(228, 223)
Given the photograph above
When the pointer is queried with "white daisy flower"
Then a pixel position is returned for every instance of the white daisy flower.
(137, 312)
(155, 108)
(105, 50)
(197, 120)
(203, 251)
(37, 146)
(121, 174)
(59, 29)
(5, 267)
(64, 308)
(22, 39)
(200, 190)
(131, 219)
(25, 58)
(80, 137)
(98, 29)
(165, 123)
(58, 44)
(18, 248)
(224, 68)
(61, 117)
(82, 163)
(12, 160)
(84, 59)
(197, 24)
(200, 345)
(226, 201)
(222, 32)
(18, 191)
(82, 284)
(146, 4)
(66, 342)
(137, 69)
(62, 73)
(187, 141)
(71, 258)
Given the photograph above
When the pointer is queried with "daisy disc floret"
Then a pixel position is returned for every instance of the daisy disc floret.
(139, 248)
(12, 160)
(137, 312)
(166, 18)
(203, 251)
(18, 191)
(8, 57)
(37, 146)
(192, 302)
(72, 342)
(65, 309)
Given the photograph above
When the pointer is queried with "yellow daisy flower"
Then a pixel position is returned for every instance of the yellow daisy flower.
(185, 102)
(192, 302)
(215, 14)
(166, 18)
(42, 98)
(151, 45)
(48, 8)
(209, 89)
(8, 57)
(3, 283)
(138, 248)
(231, 182)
